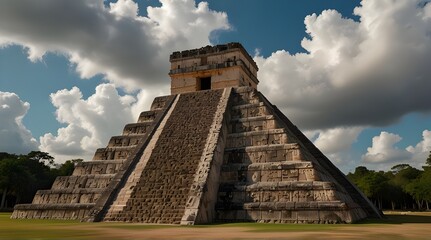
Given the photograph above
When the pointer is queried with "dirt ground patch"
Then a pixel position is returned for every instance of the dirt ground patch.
(407, 231)
(395, 226)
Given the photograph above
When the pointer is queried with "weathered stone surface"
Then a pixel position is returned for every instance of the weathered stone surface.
(269, 176)
(137, 128)
(97, 167)
(212, 67)
(75, 197)
(162, 192)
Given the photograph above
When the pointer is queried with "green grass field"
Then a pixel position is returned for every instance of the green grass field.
(388, 228)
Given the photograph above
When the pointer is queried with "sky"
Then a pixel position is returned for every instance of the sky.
(354, 75)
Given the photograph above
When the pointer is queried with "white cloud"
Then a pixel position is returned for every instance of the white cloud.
(90, 122)
(124, 8)
(424, 145)
(383, 150)
(337, 139)
(129, 50)
(14, 136)
(421, 151)
(355, 73)
(336, 143)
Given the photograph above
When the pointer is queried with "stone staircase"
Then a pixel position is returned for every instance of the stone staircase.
(158, 190)
(268, 176)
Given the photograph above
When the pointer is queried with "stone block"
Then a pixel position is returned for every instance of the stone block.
(310, 216)
(271, 215)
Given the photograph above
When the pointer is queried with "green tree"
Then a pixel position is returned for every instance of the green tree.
(14, 179)
(399, 167)
(22, 175)
(372, 184)
(41, 157)
(420, 188)
(66, 169)
(404, 174)
(428, 161)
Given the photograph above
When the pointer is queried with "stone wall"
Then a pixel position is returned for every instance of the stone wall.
(227, 66)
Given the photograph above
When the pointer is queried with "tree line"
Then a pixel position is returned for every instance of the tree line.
(403, 187)
(22, 175)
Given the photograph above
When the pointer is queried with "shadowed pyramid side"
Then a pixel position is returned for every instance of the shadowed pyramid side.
(272, 172)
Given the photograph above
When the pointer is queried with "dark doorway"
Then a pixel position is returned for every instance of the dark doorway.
(205, 83)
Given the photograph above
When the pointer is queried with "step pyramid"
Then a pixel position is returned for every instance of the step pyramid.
(223, 154)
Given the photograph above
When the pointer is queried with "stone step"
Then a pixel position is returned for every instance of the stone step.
(276, 192)
(257, 138)
(70, 191)
(160, 102)
(248, 105)
(113, 153)
(97, 167)
(278, 186)
(245, 95)
(239, 125)
(170, 200)
(63, 196)
(268, 172)
(157, 210)
(328, 212)
(82, 181)
(152, 220)
(118, 207)
(289, 206)
(156, 191)
(148, 116)
(249, 110)
(125, 141)
(137, 128)
(251, 119)
(154, 213)
(308, 205)
(267, 166)
(261, 154)
(150, 211)
(63, 206)
(52, 211)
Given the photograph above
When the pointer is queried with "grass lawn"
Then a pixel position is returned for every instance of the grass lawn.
(396, 226)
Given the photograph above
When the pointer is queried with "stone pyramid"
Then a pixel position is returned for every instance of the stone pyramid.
(215, 150)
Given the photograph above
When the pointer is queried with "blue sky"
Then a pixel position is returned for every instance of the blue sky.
(357, 86)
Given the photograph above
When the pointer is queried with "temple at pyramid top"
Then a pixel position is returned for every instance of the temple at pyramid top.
(212, 67)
